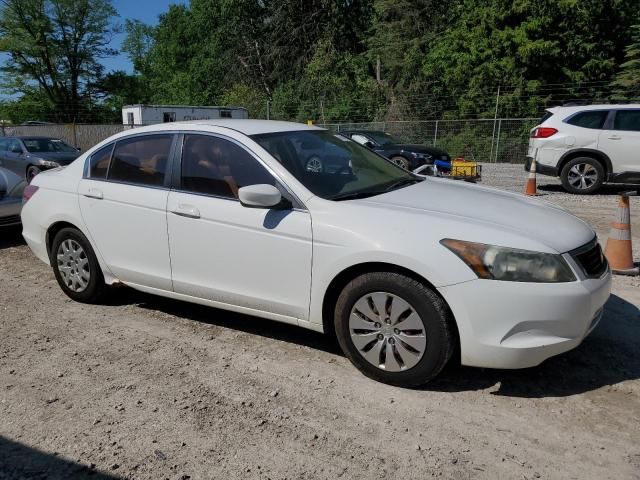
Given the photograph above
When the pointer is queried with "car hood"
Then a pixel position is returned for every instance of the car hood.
(433, 151)
(525, 216)
(60, 157)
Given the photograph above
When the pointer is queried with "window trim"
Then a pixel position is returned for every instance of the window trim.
(166, 185)
(604, 123)
(176, 184)
(615, 114)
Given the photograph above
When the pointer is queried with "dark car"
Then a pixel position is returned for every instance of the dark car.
(11, 188)
(407, 156)
(28, 156)
(320, 157)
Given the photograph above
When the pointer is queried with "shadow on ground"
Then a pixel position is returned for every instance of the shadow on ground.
(609, 355)
(19, 462)
(11, 237)
(608, 189)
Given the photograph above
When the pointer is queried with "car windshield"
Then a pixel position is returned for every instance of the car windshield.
(332, 166)
(382, 138)
(47, 145)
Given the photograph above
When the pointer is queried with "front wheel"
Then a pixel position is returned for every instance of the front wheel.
(582, 175)
(394, 329)
(76, 267)
(400, 161)
(314, 164)
(32, 171)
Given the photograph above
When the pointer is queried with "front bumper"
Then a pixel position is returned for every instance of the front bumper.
(519, 325)
(541, 168)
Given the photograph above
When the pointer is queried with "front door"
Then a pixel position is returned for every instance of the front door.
(123, 200)
(622, 141)
(258, 259)
(13, 158)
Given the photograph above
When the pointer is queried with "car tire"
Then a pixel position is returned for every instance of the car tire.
(31, 172)
(76, 267)
(314, 164)
(582, 175)
(414, 330)
(400, 161)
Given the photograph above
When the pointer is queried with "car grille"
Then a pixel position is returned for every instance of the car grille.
(590, 259)
(10, 220)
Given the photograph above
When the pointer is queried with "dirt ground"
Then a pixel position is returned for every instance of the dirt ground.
(150, 388)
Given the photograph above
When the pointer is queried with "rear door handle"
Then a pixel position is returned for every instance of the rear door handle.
(615, 137)
(186, 211)
(94, 193)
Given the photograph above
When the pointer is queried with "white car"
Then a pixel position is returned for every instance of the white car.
(588, 145)
(405, 270)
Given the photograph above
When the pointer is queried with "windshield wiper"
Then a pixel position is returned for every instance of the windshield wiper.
(356, 195)
(401, 183)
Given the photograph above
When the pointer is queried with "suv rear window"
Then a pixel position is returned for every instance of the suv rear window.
(593, 119)
(547, 115)
(628, 120)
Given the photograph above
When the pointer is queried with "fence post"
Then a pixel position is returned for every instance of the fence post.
(2, 126)
(75, 134)
(268, 109)
(435, 135)
(498, 140)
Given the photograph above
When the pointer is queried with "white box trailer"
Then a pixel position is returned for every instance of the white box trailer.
(152, 114)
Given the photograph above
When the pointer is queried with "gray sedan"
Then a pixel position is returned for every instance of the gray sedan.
(28, 156)
(11, 188)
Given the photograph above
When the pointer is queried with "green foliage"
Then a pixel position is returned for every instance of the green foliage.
(54, 49)
(627, 81)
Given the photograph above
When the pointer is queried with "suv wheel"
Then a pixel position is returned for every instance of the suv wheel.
(76, 266)
(394, 329)
(400, 161)
(582, 175)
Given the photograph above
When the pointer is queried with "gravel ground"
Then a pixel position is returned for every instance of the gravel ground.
(145, 387)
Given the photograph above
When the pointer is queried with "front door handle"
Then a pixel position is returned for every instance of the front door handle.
(94, 193)
(186, 211)
(615, 137)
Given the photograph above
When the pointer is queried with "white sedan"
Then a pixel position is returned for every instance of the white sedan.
(404, 270)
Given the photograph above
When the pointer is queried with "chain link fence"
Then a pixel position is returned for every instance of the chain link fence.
(485, 140)
(503, 140)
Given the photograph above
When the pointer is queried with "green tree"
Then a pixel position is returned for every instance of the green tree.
(627, 81)
(55, 47)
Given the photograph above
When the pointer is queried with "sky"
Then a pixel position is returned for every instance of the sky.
(146, 11)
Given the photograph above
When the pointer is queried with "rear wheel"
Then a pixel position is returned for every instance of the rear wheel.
(582, 175)
(394, 329)
(76, 266)
(314, 164)
(400, 161)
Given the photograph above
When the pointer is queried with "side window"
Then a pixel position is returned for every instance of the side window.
(593, 119)
(628, 120)
(99, 163)
(4, 144)
(361, 139)
(141, 160)
(215, 166)
(14, 146)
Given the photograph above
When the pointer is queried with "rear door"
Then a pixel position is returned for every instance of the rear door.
(621, 140)
(257, 259)
(123, 199)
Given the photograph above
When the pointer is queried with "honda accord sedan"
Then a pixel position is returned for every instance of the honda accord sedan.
(225, 213)
(28, 156)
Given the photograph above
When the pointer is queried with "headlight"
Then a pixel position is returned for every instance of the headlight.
(421, 156)
(510, 264)
(48, 163)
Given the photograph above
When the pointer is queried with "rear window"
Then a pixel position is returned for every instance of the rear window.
(628, 120)
(141, 160)
(593, 119)
(99, 163)
(547, 115)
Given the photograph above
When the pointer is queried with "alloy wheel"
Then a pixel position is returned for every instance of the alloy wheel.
(73, 265)
(582, 176)
(314, 164)
(387, 331)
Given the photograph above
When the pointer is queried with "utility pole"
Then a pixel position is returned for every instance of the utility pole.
(378, 76)
(495, 119)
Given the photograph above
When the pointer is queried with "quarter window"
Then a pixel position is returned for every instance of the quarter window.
(361, 139)
(99, 163)
(627, 120)
(141, 160)
(593, 119)
(215, 166)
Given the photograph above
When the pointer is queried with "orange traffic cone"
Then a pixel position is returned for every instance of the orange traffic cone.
(619, 251)
(531, 187)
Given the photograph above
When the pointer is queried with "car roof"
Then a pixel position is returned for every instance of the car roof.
(581, 108)
(30, 137)
(245, 126)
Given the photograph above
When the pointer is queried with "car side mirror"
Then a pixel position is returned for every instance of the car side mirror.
(369, 145)
(260, 196)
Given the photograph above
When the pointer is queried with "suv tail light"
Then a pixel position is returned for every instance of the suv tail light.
(29, 191)
(543, 132)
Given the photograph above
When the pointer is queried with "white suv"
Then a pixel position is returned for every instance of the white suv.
(588, 145)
